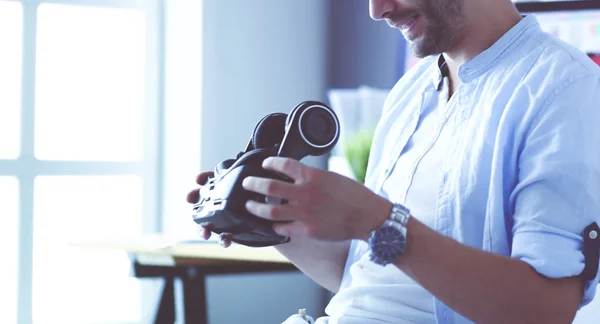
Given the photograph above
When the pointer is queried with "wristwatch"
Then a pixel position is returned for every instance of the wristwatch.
(388, 242)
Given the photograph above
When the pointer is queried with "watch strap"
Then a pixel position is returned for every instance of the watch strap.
(399, 217)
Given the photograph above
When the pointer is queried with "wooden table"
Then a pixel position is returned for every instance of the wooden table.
(154, 256)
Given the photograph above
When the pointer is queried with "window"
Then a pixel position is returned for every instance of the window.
(89, 83)
(72, 284)
(80, 144)
(9, 209)
(11, 34)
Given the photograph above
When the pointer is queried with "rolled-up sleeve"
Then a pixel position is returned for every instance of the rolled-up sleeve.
(558, 190)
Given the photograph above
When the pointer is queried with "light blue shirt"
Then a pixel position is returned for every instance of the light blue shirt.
(388, 295)
(521, 177)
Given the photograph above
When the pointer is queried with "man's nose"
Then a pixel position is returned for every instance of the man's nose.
(380, 9)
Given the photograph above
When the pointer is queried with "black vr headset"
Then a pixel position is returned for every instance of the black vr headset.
(311, 128)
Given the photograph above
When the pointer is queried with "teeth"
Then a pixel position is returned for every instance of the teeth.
(408, 23)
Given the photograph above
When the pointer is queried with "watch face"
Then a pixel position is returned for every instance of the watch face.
(387, 245)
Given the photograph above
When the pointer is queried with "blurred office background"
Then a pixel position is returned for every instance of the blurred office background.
(108, 110)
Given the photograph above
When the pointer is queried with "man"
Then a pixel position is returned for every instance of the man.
(485, 166)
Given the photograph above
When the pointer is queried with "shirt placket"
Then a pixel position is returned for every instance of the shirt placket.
(409, 130)
(443, 212)
(447, 111)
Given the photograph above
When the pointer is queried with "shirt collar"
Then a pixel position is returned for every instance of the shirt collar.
(484, 60)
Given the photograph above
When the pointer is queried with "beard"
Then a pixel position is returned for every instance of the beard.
(443, 21)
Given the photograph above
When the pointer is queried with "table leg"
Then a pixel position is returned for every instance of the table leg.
(194, 296)
(193, 279)
(166, 308)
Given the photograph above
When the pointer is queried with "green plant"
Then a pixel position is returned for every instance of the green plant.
(356, 150)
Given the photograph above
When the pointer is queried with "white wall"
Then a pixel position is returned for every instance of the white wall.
(260, 56)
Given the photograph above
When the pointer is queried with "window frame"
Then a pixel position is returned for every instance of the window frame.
(26, 167)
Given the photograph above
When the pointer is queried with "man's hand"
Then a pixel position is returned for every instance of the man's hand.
(322, 261)
(205, 229)
(322, 205)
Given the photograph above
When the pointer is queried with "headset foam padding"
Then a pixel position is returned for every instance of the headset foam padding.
(222, 166)
(254, 156)
(269, 131)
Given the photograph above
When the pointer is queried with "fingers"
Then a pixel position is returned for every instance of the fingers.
(270, 212)
(193, 196)
(285, 224)
(203, 177)
(291, 229)
(225, 239)
(289, 167)
(205, 232)
(272, 188)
